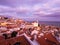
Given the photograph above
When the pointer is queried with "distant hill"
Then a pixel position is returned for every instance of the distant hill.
(6, 16)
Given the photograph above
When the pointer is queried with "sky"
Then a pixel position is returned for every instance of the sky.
(43, 10)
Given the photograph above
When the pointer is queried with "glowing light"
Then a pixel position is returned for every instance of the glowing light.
(4, 24)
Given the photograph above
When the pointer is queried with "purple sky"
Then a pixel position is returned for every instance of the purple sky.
(43, 10)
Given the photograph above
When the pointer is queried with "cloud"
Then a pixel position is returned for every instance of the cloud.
(18, 12)
(30, 8)
(19, 2)
(47, 8)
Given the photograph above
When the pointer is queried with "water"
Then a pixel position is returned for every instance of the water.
(53, 23)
